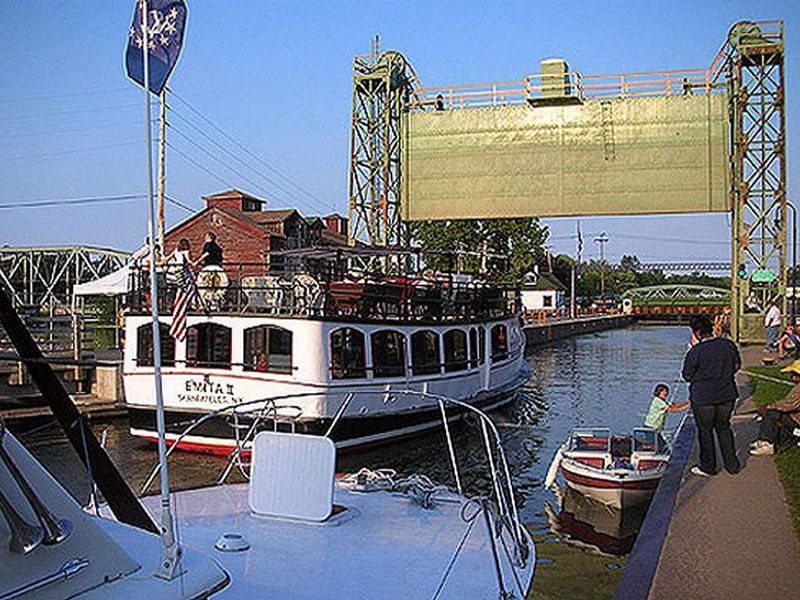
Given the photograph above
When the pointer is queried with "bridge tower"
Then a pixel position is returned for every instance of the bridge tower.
(754, 57)
(382, 84)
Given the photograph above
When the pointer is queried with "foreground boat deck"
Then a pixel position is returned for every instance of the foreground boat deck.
(382, 546)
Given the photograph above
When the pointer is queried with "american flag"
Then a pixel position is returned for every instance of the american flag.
(187, 293)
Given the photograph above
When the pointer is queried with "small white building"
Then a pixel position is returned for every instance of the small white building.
(542, 291)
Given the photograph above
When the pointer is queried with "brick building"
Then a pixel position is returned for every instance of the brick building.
(246, 232)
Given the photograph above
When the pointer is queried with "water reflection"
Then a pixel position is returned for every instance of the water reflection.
(583, 522)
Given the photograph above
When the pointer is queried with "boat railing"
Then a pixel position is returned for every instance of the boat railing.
(251, 288)
(249, 418)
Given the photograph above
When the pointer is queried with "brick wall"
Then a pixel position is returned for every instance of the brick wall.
(240, 242)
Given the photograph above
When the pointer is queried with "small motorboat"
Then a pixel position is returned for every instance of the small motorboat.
(618, 470)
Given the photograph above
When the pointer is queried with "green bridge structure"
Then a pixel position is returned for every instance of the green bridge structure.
(559, 144)
(675, 300)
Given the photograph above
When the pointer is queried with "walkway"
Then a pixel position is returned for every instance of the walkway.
(731, 536)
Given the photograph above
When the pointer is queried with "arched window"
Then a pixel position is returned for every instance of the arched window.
(347, 354)
(455, 350)
(144, 345)
(388, 353)
(268, 348)
(425, 353)
(499, 343)
(208, 345)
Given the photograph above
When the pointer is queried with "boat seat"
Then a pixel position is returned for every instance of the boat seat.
(292, 475)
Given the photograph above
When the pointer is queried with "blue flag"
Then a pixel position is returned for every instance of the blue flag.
(165, 25)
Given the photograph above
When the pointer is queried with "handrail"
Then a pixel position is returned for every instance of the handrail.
(498, 465)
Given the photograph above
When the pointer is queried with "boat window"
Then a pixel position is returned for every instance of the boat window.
(645, 440)
(590, 440)
(347, 354)
(425, 353)
(499, 343)
(268, 348)
(144, 345)
(473, 348)
(208, 345)
(481, 345)
(388, 353)
(455, 350)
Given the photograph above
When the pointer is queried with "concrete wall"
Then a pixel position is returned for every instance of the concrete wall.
(539, 335)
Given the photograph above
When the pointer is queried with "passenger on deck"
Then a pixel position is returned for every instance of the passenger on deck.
(212, 253)
(783, 414)
(659, 407)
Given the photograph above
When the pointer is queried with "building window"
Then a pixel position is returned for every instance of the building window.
(268, 348)
(455, 350)
(388, 354)
(547, 301)
(499, 343)
(144, 345)
(425, 353)
(208, 345)
(347, 354)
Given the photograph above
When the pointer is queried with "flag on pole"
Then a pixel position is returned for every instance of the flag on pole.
(165, 26)
(580, 241)
(186, 295)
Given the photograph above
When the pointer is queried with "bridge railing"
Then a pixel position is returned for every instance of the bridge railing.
(539, 87)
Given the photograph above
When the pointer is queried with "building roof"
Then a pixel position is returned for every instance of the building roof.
(232, 193)
(265, 217)
(546, 281)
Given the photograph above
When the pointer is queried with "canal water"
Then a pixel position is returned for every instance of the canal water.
(600, 379)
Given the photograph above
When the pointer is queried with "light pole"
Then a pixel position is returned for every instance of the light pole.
(601, 240)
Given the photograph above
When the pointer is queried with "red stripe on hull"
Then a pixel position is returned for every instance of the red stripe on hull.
(641, 484)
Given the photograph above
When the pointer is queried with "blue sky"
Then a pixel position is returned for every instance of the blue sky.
(276, 77)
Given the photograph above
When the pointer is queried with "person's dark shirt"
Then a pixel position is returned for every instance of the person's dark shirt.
(213, 254)
(709, 367)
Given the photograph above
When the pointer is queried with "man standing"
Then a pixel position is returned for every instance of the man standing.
(212, 253)
(709, 367)
(772, 323)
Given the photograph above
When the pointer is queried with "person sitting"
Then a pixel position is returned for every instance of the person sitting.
(659, 407)
(783, 414)
(787, 342)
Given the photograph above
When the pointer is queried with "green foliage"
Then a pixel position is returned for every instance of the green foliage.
(765, 391)
(520, 240)
(788, 462)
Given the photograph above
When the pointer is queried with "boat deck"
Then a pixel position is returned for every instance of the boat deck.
(382, 546)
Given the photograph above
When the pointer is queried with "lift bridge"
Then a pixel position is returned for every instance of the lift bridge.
(559, 144)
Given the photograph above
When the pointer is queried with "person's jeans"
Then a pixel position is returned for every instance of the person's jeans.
(772, 335)
(768, 430)
(710, 419)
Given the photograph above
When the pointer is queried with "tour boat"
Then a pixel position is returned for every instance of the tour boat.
(331, 337)
(620, 471)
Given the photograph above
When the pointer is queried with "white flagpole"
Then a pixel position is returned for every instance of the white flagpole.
(169, 562)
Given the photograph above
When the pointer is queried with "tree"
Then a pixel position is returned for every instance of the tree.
(522, 241)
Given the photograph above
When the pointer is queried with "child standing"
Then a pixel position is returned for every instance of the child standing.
(659, 407)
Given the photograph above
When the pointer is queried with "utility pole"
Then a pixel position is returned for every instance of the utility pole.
(162, 141)
(601, 241)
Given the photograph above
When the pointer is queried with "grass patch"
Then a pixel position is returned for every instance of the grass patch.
(767, 392)
(574, 573)
(787, 460)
